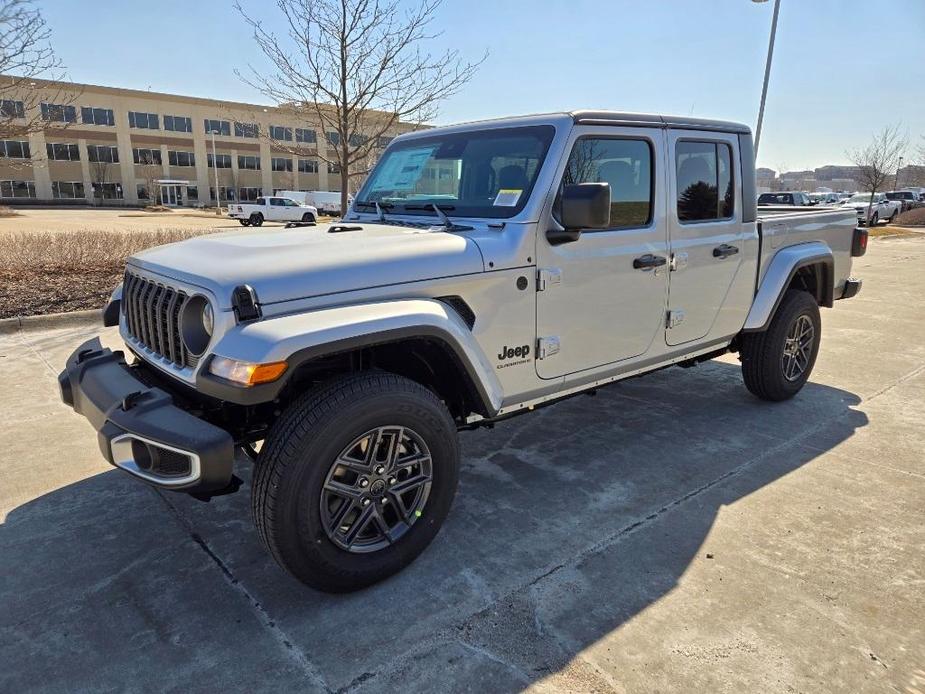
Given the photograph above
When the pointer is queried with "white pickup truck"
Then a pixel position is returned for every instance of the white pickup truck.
(272, 209)
(484, 270)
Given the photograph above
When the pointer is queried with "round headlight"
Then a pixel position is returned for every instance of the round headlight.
(196, 324)
(208, 318)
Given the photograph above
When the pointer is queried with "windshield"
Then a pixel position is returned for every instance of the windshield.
(860, 198)
(899, 196)
(486, 173)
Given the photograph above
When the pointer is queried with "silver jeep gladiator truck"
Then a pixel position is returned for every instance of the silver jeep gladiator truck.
(483, 270)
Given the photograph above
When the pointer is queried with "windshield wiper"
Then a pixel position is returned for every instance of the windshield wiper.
(438, 210)
(371, 203)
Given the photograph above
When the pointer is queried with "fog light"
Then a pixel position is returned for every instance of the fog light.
(246, 373)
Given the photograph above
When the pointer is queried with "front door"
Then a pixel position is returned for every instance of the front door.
(171, 195)
(603, 295)
(708, 239)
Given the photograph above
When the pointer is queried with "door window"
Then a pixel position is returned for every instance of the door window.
(704, 177)
(626, 164)
(278, 202)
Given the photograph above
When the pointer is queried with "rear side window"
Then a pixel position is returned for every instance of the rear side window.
(704, 177)
(625, 164)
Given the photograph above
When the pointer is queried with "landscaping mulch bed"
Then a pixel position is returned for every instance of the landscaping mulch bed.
(912, 218)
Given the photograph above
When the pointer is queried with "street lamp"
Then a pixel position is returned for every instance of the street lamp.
(896, 180)
(767, 70)
(218, 200)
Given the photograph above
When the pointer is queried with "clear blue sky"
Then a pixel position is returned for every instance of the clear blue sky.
(842, 68)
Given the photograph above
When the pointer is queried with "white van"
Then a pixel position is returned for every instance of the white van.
(326, 201)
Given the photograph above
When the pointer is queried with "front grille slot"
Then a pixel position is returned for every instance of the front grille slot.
(152, 316)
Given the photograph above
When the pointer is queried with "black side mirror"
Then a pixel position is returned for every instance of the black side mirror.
(583, 206)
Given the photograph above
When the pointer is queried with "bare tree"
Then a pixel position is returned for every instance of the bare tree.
(878, 161)
(151, 173)
(356, 67)
(99, 174)
(26, 54)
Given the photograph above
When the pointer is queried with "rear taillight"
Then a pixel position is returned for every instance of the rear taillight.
(859, 243)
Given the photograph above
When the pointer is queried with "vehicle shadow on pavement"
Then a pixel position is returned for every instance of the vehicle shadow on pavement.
(567, 524)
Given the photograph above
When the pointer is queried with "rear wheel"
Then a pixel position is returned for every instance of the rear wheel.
(777, 363)
(245, 222)
(256, 219)
(355, 480)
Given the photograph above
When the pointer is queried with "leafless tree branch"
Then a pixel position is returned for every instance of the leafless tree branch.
(878, 160)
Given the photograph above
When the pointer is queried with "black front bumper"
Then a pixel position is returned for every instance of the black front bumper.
(140, 429)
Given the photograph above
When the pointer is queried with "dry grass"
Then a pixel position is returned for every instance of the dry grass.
(6, 211)
(912, 218)
(50, 272)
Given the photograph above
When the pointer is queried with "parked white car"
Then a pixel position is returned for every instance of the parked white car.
(272, 209)
(872, 213)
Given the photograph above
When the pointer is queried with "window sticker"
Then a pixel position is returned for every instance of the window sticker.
(402, 169)
(507, 197)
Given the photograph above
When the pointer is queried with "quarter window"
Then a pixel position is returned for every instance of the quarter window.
(625, 164)
(704, 177)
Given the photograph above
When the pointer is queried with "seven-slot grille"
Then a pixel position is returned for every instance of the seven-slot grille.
(152, 314)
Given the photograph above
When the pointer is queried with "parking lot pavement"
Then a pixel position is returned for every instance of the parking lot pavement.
(670, 534)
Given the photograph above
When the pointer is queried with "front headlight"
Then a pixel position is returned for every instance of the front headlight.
(246, 373)
(196, 324)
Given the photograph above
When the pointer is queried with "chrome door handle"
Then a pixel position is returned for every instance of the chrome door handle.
(724, 251)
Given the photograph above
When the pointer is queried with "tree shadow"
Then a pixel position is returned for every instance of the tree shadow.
(568, 522)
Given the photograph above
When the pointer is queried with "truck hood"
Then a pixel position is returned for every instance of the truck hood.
(312, 261)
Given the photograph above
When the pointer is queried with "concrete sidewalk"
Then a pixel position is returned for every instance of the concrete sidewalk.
(671, 534)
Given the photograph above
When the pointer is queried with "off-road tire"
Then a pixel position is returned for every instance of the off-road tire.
(308, 218)
(256, 219)
(298, 453)
(761, 353)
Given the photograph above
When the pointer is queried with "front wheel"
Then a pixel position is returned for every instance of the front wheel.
(355, 480)
(777, 363)
(308, 218)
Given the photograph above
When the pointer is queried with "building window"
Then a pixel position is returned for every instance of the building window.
(281, 164)
(143, 120)
(249, 194)
(69, 190)
(246, 129)
(333, 168)
(107, 191)
(248, 162)
(384, 141)
(219, 127)
(146, 156)
(181, 158)
(97, 116)
(15, 149)
(60, 151)
(141, 190)
(625, 164)
(305, 135)
(704, 177)
(192, 193)
(308, 166)
(180, 124)
(103, 153)
(59, 113)
(225, 192)
(224, 161)
(17, 189)
(280, 133)
(357, 140)
(12, 109)
(333, 138)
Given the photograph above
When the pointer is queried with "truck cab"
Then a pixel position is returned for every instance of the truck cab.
(272, 208)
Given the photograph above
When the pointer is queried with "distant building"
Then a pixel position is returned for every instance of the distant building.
(125, 146)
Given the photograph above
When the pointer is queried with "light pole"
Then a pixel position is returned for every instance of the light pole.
(767, 71)
(218, 200)
(896, 180)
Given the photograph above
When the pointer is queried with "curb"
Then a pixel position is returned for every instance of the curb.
(72, 319)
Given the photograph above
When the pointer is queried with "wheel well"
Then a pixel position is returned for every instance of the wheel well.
(429, 362)
(817, 280)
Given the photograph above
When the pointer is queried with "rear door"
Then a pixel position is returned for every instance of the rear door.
(707, 237)
(594, 307)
